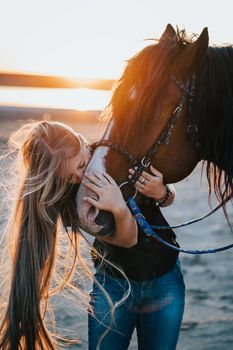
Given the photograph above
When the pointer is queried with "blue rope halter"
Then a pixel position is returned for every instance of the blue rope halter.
(147, 229)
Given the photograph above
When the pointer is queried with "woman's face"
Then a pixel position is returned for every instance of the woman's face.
(78, 164)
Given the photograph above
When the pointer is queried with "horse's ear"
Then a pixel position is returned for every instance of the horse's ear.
(194, 54)
(169, 35)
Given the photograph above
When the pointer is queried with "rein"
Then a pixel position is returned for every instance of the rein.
(194, 220)
(147, 229)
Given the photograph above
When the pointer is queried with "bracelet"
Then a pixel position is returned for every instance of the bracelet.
(168, 192)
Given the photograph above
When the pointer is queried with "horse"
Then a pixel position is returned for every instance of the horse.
(173, 102)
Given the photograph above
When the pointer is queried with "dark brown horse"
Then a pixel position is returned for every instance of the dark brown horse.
(142, 104)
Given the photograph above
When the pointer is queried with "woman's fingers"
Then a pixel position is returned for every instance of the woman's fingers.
(92, 201)
(109, 178)
(93, 187)
(99, 180)
(99, 176)
(145, 174)
(155, 171)
(131, 171)
(139, 186)
(105, 178)
(141, 190)
(93, 180)
(144, 179)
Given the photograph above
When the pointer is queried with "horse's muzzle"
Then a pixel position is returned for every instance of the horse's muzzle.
(91, 219)
(106, 220)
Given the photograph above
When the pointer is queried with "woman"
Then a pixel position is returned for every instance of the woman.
(51, 162)
(155, 303)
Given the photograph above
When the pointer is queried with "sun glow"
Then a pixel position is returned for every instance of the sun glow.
(90, 39)
(78, 99)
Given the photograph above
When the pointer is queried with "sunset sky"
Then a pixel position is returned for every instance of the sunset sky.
(93, 38)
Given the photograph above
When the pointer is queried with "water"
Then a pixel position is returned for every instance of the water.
(69, 98)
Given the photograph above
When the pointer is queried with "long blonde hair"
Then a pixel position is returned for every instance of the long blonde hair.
(44, 201)
(44, 197)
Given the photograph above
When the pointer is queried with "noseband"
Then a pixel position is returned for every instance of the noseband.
(188, 91)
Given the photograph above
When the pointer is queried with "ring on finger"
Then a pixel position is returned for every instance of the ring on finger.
(101, 184)
(143, 182)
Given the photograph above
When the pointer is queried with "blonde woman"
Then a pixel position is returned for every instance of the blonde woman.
(51, 162)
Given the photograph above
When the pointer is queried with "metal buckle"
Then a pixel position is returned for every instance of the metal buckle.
(192, 128)
(145, 165)
(177, 110)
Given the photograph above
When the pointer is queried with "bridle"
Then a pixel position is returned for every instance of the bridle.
(188, 92)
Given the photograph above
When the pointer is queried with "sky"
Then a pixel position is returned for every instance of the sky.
(94, 38)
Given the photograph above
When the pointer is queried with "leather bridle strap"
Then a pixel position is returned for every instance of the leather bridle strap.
(147, 229)
(188, 91)
(115, 147)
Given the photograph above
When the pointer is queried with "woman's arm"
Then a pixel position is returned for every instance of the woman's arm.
(170, 197)
(126, 229)
(151, 185)
(110, 198)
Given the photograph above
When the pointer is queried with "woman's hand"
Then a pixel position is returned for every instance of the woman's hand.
(150, 185)
(111, 199)
(109, 195)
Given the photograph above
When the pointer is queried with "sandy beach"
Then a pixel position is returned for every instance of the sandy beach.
(208, 318)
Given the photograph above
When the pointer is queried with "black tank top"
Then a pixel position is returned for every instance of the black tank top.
(148, 258)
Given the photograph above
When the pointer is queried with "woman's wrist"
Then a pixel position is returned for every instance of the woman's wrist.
(120, 211)
(163, 200)
(160, 197)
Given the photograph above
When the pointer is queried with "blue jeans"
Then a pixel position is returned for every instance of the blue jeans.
(155, 307)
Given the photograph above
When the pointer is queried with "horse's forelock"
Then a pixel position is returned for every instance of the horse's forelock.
(140, 90)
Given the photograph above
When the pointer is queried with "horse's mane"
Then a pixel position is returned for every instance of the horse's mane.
(213, 114)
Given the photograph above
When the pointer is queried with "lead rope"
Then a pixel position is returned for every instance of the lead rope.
(194, 220)
(147, 229)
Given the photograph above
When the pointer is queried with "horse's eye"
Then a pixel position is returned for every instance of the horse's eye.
(80, 166)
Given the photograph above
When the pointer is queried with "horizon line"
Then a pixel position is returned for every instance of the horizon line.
(49, 81)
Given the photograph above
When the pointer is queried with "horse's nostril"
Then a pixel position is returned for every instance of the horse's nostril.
(92, 212)
(105, 219)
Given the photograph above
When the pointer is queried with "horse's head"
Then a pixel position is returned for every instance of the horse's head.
(142, 104)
